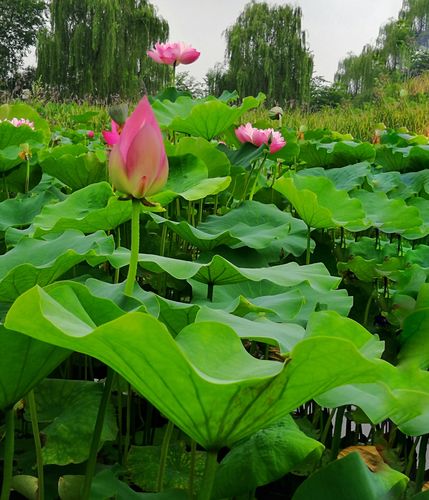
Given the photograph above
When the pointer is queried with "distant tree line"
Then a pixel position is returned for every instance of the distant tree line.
(400, 52)
(266, 50)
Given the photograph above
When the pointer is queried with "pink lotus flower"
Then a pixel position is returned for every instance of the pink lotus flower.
(138, 164)
(173, 53)
(257, 137)
(90, 134)
(18, 122)
(112, 137)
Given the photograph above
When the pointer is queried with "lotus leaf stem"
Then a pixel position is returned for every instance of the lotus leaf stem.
(163, 457)
(209, 476)
(135, 246)
(9, 448)
(37, 444)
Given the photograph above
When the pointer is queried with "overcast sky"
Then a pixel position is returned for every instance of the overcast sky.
(334, 27)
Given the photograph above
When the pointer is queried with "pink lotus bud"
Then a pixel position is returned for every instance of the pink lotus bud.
(112, 137)
(173, 53)
(90, 134)
(257, 137)
(138, 164)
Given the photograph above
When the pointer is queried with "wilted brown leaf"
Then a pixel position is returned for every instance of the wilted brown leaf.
(369, 454)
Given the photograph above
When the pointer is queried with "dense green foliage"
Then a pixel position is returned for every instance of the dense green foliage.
(401, 51)
(98, 48)
(19, 22)
(266, 49)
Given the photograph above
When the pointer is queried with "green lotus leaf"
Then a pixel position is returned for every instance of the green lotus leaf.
(253, 224)
(28, 361)
(282, 335)
(204, 381)
(350, 478)
(143, 466)
(320, 204)
(166, 110)
(336, 154)
(217, 163)
(415, 340)
(387, 182)
(244, 156)
(389, 216)
(21, 110)
(210, 118)
(278, 303)
(90, 209)
(11, 139)
(265, 457)
(20, 211)
(392, 158)
(345, 178)
(188, 178)
(74, 165)
(70, 407)
(219, 271)
(43, 261)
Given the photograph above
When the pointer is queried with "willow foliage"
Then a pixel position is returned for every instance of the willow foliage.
(98, 48)
(394, 54)
(266, 51)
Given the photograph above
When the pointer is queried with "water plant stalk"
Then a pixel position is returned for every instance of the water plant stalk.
(37, 444)
(421, 466)
(192, 468)
(163, 457)
(308, 249)
(9, 449)
(209, 476)
(135, 246)
(96, 435)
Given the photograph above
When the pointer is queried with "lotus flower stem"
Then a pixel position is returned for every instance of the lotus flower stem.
(163, 457)
(209, 476)
(9, 448)
(27, 176)
(308, 251)
(135, 245)
(421, 466)
(336, 438)
(127, 424)
(96, 435)
(37, 444)
(192, 468)
(255, 181)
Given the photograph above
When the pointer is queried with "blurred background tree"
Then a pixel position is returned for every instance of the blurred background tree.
(98, 48)
(19, 23)
(266, 51)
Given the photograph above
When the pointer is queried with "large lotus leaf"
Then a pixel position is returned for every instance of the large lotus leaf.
(320, 204)
(20, 211)
(244, 156)
(106, 485)
(386, 182)
(422, 205)
(389, 215)
(143, 466)
(393, 158)
(345, 178)
(278, 303)
(74, 165)
(188, 178)
(90, 209)
(419, 157)
(24, 363)
(21, 110)
(282, 335)
(70, 407)
(401, 394)
(43, 261)
(219, 271)
(210, 118)
(166, 110)
(11, 138)
(414, 340)
(253, 224)
(217, 163)
(350, 478)
(204, 381)
(335, 154)
(265, 457)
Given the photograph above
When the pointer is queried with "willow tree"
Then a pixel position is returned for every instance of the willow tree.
(266, 51)
(400, 52)
(98, 48)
